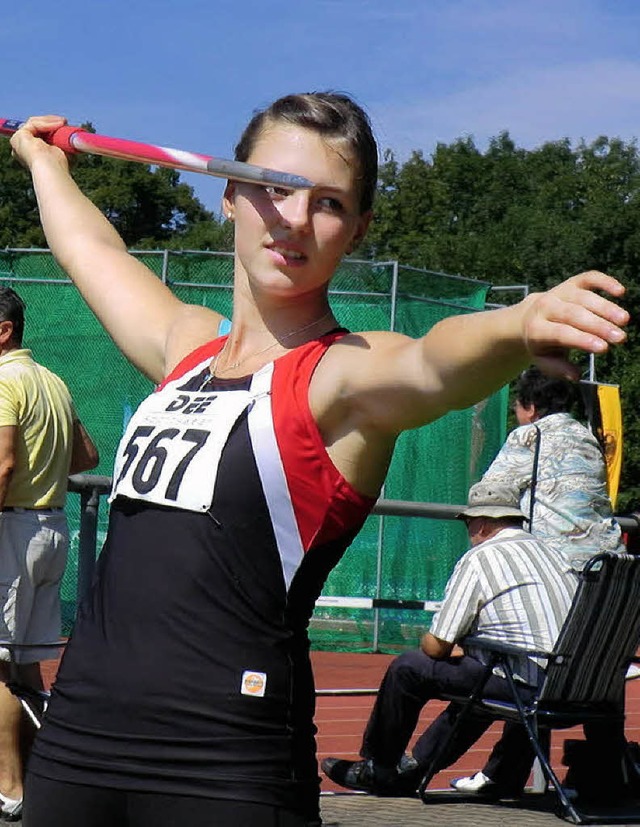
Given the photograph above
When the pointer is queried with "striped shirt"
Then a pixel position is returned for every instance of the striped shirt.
(513, 589)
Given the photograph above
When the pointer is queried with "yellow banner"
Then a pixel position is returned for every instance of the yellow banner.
(604, 412)
(610, 436)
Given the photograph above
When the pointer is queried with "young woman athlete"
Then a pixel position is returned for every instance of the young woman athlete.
(186, 694)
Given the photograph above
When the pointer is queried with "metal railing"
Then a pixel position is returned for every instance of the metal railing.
(91, 487)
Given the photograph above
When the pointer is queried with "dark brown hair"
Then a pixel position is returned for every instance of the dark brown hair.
(12, 310)
(549, 394)
(330, 114)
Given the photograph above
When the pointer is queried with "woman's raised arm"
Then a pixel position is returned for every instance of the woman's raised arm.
(140, 313)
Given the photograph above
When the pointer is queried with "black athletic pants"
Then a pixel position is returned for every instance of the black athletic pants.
(58, 804)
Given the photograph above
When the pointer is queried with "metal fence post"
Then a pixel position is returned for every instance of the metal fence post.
(381, 523)
(89, 502)
(89, 487)
(164, 275)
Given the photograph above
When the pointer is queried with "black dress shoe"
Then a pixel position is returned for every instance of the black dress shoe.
(369, 777)
(354, 775)
(409, 776)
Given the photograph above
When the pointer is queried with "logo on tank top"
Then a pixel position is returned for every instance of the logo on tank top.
(253, 683)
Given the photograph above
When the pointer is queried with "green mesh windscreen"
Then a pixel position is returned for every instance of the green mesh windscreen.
(394, 558)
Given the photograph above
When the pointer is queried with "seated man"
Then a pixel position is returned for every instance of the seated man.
(508, 587)
(558, 462)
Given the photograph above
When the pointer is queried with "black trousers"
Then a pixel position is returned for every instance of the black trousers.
(59, 804)
(412, 680)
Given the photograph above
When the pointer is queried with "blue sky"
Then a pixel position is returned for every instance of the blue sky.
(189, 74)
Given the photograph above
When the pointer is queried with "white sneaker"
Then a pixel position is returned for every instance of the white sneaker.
(11, 809)
(481, 785)
(477, 783)
(632, 672)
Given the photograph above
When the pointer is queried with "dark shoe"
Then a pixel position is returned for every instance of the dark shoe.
(407, 764)
(409, 776)
(372, 778)
(354, 775)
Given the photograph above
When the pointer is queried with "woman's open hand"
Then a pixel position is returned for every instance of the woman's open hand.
(573, 315)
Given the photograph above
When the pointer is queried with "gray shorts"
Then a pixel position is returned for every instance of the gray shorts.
(33, 555)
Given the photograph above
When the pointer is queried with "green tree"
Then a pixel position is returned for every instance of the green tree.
(206, 234)
(19, 223)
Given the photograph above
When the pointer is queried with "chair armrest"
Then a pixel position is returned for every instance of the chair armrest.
(489, 645)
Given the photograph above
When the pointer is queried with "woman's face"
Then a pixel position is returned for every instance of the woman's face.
(525, 414)
(290, 243)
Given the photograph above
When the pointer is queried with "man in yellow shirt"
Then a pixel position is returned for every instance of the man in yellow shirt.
(42, 441)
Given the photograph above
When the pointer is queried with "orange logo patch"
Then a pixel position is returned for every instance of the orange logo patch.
(253, 683)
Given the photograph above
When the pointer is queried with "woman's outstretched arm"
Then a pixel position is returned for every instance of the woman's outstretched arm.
(392, 382)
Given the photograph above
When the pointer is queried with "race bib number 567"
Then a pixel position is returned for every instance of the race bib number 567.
(171, 449)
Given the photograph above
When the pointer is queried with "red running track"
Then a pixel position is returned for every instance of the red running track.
(341, 719)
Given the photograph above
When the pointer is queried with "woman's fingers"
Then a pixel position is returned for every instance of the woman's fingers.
(31, 138)
(573, 315)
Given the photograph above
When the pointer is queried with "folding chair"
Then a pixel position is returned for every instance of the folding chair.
(584, 679)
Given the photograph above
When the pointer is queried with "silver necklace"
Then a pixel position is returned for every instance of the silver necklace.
(215, 371)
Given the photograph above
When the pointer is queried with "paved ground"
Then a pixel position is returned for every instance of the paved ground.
(447, 811)
(353, 810)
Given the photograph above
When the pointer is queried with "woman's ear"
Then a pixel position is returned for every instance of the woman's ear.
(360, 232)
(228, 208)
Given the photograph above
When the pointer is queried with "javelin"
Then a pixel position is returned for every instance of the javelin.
(73, 139)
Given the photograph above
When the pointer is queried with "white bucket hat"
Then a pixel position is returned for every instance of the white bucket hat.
(487, 499)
